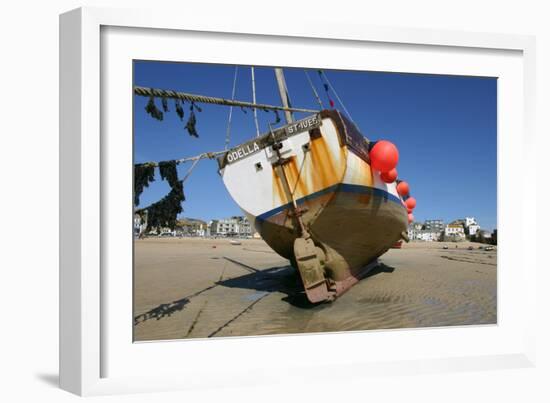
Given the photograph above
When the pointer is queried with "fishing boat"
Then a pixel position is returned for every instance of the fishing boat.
(316, 190)
(311, 192)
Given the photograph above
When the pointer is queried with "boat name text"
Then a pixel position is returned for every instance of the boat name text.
(303, 125)
(242, 152)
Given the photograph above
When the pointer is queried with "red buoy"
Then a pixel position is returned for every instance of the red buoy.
(411, 218)
(389, 177)
(403, 189)
(410, 202)
(409, 210)
(384, 156)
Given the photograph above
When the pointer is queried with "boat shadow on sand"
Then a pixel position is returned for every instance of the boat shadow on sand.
(281, 279)
(285, 280)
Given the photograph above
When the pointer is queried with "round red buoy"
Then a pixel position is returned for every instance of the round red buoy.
(411, 218)
(411, 202)
(384, 156)
(403, 188)
(390, 176)
(409, 210)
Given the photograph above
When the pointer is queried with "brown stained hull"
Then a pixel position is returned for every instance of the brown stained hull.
(353, 225)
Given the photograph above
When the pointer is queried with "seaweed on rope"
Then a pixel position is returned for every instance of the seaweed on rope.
(143, 175)
(164, 212)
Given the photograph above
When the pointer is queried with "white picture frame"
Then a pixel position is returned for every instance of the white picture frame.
(94, 340)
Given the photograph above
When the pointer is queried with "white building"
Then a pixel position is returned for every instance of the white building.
(471, 226)
(429, 236)
(473, 229)
(233, 226)
(454, 231)
(140, 225)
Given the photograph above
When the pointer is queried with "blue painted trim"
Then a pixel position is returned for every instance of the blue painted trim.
(341, 187)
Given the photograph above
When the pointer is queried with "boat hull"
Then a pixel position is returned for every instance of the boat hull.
(350, 214)
(354, 225)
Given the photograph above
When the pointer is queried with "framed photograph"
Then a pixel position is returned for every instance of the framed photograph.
(335, 199)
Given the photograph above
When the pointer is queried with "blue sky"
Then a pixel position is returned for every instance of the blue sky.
(444, 127)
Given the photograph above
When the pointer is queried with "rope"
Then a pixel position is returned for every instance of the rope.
(313, 89)
(337, 97)
(189, 170)
(210, 155)
(254, 101)
(155, 92)
(228, 131)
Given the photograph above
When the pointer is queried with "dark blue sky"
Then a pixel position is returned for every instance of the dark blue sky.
(444, 127)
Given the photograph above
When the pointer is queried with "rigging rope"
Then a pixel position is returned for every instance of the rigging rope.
(338, 98)
(313, 89)
(160, 93)
(210, 155)
(190, 170)
(228, 131)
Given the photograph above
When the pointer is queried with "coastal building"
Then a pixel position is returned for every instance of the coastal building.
(471, 227)
(434, 225)
(413, 230)
(245, 229)
(422, 232)
(191, 227)
(429, 236)
(230, 227)
(140, 225)
(455, 231)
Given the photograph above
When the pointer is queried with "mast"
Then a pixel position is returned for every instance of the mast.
(254, 101)
(283, 92)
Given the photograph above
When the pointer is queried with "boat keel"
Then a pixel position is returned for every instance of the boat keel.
(309, 263)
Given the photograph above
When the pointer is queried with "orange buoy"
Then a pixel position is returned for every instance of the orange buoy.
(384, 156)
(390, 176)
(411, 218)
(403, 189)
(411, 202)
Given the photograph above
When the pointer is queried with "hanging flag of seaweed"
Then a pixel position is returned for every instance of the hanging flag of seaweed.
(179, 109)
(191, 125)
(152, 109)
(143, 175)
(164, 212)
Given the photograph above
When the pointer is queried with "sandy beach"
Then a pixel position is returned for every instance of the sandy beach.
(197, 288)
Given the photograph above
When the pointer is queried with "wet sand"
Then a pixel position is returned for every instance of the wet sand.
(197, 288)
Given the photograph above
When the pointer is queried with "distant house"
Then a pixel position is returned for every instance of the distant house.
(191, 227)
(140, 224)
(434, 225)
(430, 230)
(429, 235)
(413, 230)
(455, 231)
(231, 227)
(473, 230)
(471, 226)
